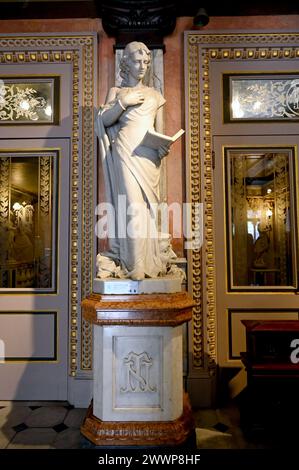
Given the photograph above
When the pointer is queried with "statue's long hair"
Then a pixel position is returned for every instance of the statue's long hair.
(130, 48)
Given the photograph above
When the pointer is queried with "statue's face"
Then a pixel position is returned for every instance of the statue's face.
(138, 64)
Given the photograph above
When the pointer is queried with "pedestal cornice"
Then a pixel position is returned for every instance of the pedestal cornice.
(138, 310)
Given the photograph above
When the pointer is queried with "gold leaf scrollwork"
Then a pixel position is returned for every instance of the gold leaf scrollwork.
(4, 214)
(45, 198)
(282, 195)
(4, 189)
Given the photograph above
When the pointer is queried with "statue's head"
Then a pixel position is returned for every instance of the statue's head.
(132, 51)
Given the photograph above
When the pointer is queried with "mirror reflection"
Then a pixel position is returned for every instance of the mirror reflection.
(26, 220)
(261, 222)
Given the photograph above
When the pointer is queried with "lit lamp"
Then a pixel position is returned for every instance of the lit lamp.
(201, 18)
(17, 208)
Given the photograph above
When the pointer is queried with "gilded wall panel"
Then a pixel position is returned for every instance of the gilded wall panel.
(201, 50)
(80, 52)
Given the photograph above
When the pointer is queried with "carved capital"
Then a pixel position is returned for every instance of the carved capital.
(141, 20)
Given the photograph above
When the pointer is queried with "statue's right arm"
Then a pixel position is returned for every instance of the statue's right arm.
(111, 114)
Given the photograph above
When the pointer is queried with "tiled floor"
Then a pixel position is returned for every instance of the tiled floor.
(220, 429)
(25, 425)
(28, 425)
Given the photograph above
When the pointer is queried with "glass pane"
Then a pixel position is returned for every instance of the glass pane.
(29, 100)
(262, 97)
(26, 220)
(261, 221)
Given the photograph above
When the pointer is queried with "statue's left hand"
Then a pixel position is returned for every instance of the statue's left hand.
(163, 151)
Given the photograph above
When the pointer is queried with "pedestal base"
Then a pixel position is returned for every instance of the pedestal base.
(139, 433)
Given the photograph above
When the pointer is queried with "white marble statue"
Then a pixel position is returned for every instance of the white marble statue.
(132, 171)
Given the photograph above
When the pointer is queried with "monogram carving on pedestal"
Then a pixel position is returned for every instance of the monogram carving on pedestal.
(138, 373)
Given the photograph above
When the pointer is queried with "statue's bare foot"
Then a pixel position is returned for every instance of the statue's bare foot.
(137, 274)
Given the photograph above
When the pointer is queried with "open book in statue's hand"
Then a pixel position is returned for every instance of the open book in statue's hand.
(154, 140)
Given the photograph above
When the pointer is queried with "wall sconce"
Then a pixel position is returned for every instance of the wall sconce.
(23, 214)
(201, 18)
(17, 206)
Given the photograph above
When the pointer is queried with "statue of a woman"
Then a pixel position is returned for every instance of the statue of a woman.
(132, 171)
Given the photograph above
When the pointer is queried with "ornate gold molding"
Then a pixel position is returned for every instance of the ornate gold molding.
(88, 204)
(193, 37)
(201, 49)
(195, 197)
(78, 51)
(4, 190)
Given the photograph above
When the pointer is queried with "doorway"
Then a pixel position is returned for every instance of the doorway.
(256, 236)
(34, 268)
(242, 157)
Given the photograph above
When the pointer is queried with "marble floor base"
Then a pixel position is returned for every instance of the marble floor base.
(56, 425)
(36, 425)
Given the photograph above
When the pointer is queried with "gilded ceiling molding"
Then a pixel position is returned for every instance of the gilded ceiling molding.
(200, 50)
(76, 50)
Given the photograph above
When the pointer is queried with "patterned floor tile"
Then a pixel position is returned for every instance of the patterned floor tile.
(69, 407)
(20, 427)
(30, 425)
(205, 417)
(229, 415)
(60, 427)
(6, 435)
(47, 416)
(75, 417)
(68, 439)
(4, 410)
(208, 439)
(33, 438)
(14, 415)
(221, 427)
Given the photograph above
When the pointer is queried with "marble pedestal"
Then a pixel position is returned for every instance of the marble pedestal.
(138, 394)
(166, 285)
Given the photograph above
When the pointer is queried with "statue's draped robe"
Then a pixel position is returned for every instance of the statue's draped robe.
(131, 175)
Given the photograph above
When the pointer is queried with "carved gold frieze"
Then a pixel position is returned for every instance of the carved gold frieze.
(87, 206)
(201, 49)
(4, 189)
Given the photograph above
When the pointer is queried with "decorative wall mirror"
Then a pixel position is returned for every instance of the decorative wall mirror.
(260, 97)
(261, 220)
(29, 100)
(28, 183)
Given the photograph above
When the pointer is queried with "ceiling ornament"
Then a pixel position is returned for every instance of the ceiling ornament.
(138, 20)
